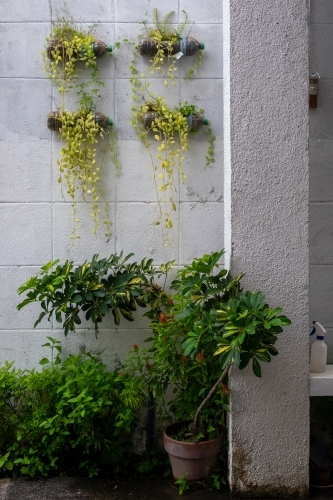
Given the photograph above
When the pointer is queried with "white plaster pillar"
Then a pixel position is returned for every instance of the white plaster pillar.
(266, 234)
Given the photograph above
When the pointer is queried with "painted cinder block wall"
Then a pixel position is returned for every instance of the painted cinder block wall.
(321, 169)
(35, 216)
(35, 219)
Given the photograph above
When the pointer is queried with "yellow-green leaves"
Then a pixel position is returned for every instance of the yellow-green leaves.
(248, 330)
(171, 130)
(67, 45)
(78, 163)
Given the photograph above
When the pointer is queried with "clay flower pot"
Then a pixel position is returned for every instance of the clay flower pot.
(196, 460)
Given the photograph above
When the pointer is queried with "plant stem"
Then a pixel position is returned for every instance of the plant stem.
(210, 394)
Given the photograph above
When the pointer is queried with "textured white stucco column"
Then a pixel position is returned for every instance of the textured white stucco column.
(266, 234)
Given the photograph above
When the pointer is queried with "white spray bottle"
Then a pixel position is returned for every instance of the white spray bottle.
(318, 356)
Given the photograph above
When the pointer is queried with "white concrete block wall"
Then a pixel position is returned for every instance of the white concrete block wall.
(321, 169)
(35, 216)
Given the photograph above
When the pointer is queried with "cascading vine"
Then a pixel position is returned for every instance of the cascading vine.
(156, 122)
(67, 48)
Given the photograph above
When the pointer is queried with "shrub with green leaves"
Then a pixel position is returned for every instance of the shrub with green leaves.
(73, 417)
(182, 345)
(203, 328)
(95, 288)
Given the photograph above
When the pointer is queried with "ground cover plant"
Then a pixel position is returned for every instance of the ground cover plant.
(72, 418)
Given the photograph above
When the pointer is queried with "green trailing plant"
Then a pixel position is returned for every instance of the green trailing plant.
(68, 48)
(170, 128)
(93, 289)
(169, 131)
(67, 45)
(72, 418)
(165, 36)
(79, 167)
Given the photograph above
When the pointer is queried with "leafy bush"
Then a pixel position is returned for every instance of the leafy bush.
(73, 417)
(182, 345)
(201, 330)
(94, 288)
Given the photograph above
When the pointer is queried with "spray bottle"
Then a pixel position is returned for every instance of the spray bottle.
(318, 356)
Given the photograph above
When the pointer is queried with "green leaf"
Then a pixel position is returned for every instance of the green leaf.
(262, 355)
(44, 361)
(126, 314)
(256, 368)
(272, 350)
(76, 299)
(135, 280)
(116, 315)
(236, 356)
(222, 349)
(244, 360)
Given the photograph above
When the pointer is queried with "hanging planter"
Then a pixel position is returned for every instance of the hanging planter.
(54, 120)
(194, 120)
(57, 46)
(185, 46)
(67, 44)
(165, 45)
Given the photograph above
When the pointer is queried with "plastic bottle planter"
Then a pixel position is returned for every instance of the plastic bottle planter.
(54, 122)
(194, 120)
(99, 48)
(187, 46)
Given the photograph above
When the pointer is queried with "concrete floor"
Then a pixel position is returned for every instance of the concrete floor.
(60, 488)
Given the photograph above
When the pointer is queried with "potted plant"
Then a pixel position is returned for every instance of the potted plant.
(164, 43)
(207, 325)
(68, 44)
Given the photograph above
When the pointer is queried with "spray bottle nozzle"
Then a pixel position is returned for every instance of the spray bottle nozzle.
(315, 323)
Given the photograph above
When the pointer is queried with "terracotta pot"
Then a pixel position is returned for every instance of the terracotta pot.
(197, 460)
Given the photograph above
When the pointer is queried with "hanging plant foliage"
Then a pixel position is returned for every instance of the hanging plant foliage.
(68, 49)
(155, 121)
(171, 129)
(167, 45)
(67, 45)
(81, 131)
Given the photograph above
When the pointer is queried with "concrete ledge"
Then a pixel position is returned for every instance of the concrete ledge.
(321, 384)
